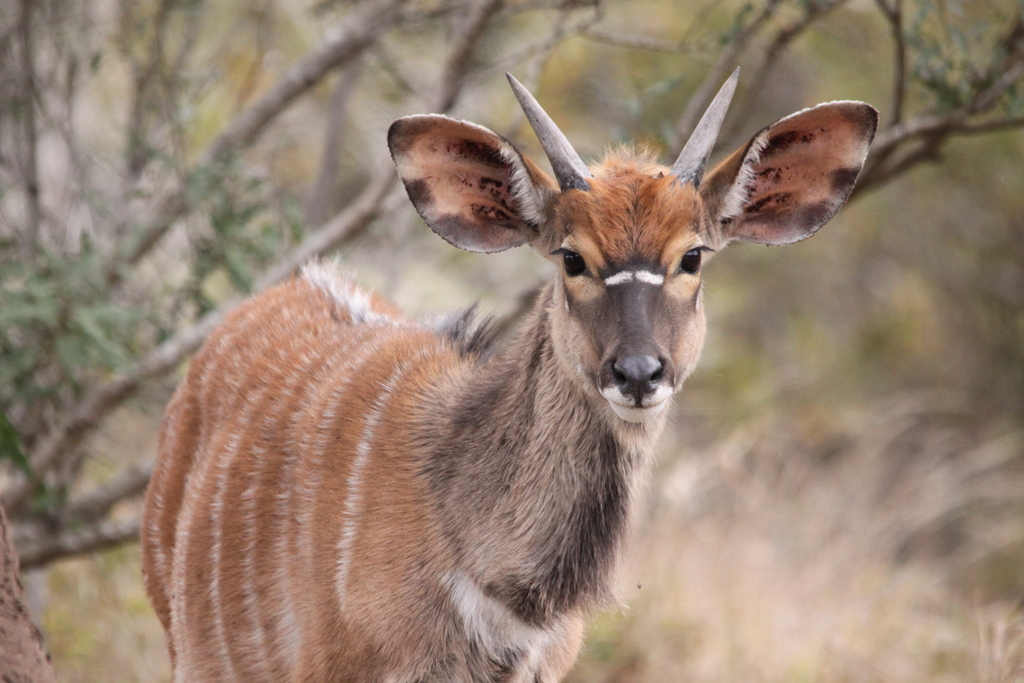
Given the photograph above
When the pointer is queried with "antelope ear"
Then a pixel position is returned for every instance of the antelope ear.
(471, 186)
(793, 176)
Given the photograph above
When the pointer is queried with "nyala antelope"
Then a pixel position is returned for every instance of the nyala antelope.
(343, 494)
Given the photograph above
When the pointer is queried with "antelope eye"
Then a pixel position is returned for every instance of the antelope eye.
(691, 261)
(573, 263)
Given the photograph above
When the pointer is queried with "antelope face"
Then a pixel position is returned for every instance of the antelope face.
(630, 236)
(631, 285)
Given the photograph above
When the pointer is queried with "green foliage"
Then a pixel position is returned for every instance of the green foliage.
(59, 331)
(10, 446)
(245, 233)
(957, 49)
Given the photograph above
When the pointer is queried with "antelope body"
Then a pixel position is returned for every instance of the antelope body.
(343, 494)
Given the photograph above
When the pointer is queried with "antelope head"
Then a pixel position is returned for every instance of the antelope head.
(630, 236)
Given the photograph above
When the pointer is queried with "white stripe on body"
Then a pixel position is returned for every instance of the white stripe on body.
(354, 497)
(216, 519)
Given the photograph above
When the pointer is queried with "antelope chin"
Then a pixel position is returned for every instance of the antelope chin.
(638, 415)
(627, 410)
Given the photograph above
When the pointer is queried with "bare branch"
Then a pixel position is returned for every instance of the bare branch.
(35, 552)
(339, 49)
(897, 163)
(377, 198)
(540, 51)
(459, 58)
(725, 64)
(991, 126)
(327, 176)
(98, 403)
(637, 42)
(98, 502)
(358, 34)
(31, 163)
(894, 16)
(143, 77)
(785, 36)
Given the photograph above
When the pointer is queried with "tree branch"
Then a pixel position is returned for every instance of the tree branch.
(98, 502)
(327, 175)
(894, 16)
(378, 197)
(637, 42)
(31, 168)
(98, 403)
(784, 37)
(936, 129)
(459, 58)
(725, 64)
(359, 33)
(36, 552)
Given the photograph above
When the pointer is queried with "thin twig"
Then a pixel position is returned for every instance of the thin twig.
(894, 16)
(537, 55)
(31, 167)
(143, 81)
(786, 35)
(637, 42)
(726, 62)
(334, 125)
(538, 52)
(459, 57)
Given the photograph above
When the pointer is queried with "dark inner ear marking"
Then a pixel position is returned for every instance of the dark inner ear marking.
(784, 141)
(419, 193)
(770, 175)
(495, 189)
(493, 212)
(844, 178)
(474, 152)
(772, 201)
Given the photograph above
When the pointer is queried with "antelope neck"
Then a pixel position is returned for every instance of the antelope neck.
(534, 478)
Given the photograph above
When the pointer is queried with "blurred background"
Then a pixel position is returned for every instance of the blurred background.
(840, 494)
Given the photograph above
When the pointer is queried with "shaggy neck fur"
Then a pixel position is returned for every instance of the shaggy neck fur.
(548, 472)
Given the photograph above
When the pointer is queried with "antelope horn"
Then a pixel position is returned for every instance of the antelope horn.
(570, 171)
(689, 167)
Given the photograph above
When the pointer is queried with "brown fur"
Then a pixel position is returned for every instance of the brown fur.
(342, 494)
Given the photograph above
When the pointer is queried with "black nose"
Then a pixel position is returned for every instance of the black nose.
(636, 374)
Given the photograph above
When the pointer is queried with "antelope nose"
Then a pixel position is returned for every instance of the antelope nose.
(637, 373)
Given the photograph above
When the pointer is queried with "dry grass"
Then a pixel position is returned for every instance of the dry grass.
(882, 549)
(98, 622)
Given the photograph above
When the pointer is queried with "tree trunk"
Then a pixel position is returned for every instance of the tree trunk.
(22, 659)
